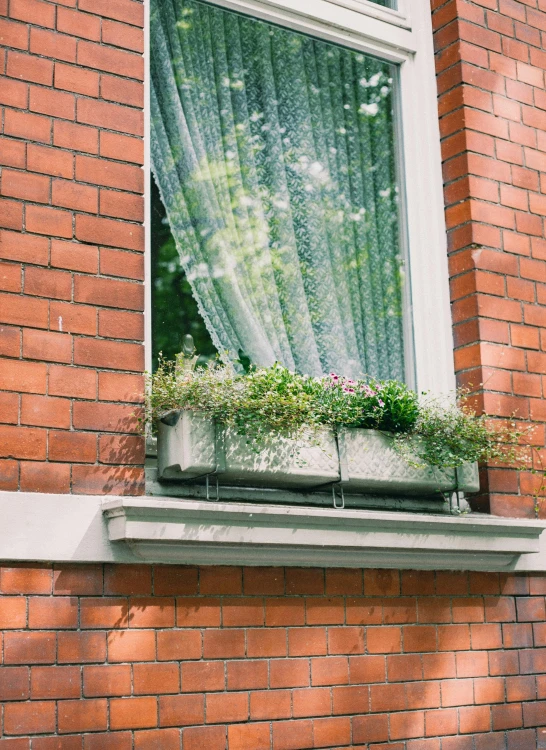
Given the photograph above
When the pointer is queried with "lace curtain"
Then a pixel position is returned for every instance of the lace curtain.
(275, 159)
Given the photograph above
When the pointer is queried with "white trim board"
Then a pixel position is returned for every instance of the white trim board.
(75, 528)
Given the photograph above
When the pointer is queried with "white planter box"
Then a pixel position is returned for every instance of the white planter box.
(366, 462)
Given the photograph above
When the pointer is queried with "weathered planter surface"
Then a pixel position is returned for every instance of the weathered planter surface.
(363, 460)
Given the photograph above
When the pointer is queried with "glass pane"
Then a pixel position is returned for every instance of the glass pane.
(174, 309)
(386, 3)
(275, 157)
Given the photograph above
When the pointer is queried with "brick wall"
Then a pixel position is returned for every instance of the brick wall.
(492, 104)
(71, 245)
(130, 657)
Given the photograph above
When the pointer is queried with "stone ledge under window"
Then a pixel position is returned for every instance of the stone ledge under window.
(168, 530)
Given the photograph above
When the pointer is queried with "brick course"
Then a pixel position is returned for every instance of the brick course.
(113, 655)
(71, 244)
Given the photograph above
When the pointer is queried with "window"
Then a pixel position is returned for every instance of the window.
(297, 204)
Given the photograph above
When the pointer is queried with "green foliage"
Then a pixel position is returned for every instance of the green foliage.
(275, 400)
(451, 435)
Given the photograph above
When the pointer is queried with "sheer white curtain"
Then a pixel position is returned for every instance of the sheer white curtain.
(275, 158)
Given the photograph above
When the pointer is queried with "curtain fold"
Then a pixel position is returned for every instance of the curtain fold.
(275, 159)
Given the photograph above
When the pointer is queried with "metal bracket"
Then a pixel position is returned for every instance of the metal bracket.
(334, 497)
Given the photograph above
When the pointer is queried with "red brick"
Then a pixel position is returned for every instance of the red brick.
(370, 728)
(9, 475)
(51, 161)
(45, 411)
(117, 741)
(10, 277)
(114, 355)
(135, 645)
(106, 681)
(109, 232)
(181, 710)
(332, 670)
(219, 644)
(407, 725)
(121, 205)
(270, 704)
(49, 102)
(196, 738)
(121, 387)
(133, 713)
(74, 256)
(29, 648)
(14, 684)
(49, 221)
(12, 153)
(159, 739)
(30, 68)
(77, 137)
(125, 120)
(79, 24)
(243, 736)
(351, 700)
(13, 34)
(51, 44)
(128, 579)
(202, 676)
(346, 640)
(307, 641)
(326, 732)
(441, 722)
(73, 382)
(121, 325)
(22, 442)
(125, 92)
(26, 377)
(29, 718)
(384, 640)
(40, 477)
(9, 408)
(247, 675)
(174, 579)
(226, 707)
(31, 127)
(293, 735)
(82, 716)
(11, 214)
(220, 580)
(474, 719)
(289, 673)
(96, 480)
(77, 579)
(55, 682)
(33, 11)
(72, 195)
(57, 613)
(75, 648)
(13, 613)
(121, 147)
(104, 613)
(111, 60)
(122, 35)
(13, 93)
(111, 174)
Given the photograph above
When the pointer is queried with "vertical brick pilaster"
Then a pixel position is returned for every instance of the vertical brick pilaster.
(492, 106)
(71, 245)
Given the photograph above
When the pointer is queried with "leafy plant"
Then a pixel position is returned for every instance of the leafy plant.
(275, 400)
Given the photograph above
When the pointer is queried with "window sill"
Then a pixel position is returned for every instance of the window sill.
(168, 530)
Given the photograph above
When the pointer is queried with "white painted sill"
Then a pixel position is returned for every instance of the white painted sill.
(114, 529)
(168, 530)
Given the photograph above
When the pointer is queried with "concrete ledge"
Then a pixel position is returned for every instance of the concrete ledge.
(189, 531)
(80, 528)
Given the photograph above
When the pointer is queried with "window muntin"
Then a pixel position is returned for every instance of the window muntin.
(282, 192)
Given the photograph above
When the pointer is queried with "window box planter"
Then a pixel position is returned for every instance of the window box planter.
(192, 446)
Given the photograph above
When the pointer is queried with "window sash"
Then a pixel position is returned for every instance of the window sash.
(390, 35)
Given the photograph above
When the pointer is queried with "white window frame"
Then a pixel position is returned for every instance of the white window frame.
(405, 39)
